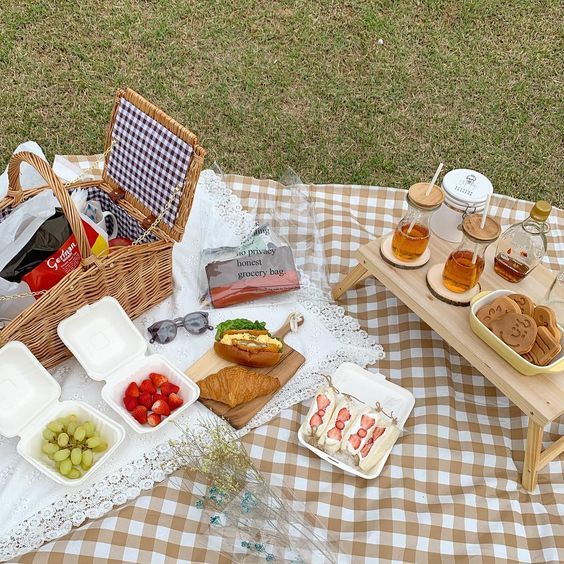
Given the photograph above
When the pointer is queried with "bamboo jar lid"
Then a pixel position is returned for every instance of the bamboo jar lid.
(471, 226)
(416, 195)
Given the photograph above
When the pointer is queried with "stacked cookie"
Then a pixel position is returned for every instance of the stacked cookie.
(530, 330)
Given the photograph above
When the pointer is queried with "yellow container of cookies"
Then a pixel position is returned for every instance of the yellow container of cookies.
(516, 360)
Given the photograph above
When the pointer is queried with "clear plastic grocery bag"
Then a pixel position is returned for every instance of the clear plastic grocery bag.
(280, 253)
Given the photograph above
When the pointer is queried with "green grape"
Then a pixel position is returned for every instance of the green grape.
(48, 435)
(76, 455)
(74, 474)
(55, 426)
(71, 428)
(89, 428)
(87, 458)
(50, 448)
(64, 420)
(93, 442)
(63, 440)
(101, 447)
(80, 433)
(62, 455)
(65, 466)
(73, 417)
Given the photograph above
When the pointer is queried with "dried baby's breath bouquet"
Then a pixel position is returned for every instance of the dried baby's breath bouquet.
(238, 504)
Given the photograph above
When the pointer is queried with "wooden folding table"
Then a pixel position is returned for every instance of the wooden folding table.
(540, 397)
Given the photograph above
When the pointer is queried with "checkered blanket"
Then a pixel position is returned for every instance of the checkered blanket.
(451, 487)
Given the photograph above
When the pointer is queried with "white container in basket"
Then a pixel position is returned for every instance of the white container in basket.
(33, 401)
(109, 347)
(370, 388)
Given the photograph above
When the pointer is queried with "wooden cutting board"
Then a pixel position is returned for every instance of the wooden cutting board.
(239, 416)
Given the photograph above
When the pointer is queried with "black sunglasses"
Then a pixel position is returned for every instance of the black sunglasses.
(165, 331)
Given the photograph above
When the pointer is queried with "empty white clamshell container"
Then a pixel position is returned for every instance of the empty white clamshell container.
(104, 340)
(34, 402)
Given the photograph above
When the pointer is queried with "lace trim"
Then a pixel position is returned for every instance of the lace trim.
(127, 483)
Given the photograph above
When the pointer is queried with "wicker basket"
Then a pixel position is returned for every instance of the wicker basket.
(152, 165)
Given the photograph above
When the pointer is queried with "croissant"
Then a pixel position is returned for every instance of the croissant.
(235, 385)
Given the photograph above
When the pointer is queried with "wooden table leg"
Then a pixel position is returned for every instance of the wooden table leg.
(533, 446)
(354, 277)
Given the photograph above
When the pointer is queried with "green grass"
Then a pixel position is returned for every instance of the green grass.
(267, 84)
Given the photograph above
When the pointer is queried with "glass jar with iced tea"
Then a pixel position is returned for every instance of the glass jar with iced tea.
(411, 235)
(465, 265)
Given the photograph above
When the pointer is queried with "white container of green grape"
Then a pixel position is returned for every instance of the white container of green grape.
(68, 440)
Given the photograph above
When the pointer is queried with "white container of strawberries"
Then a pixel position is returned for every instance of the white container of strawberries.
(147, 391)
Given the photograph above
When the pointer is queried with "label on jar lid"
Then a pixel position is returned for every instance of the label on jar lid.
(465, 186)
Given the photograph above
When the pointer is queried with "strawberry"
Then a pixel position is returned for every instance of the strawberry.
(158, 379)
(147, 387)
(157, 397)
(174, 401)
(146, 400)
(130, 403)
(161, 407)
(132, 390)
(154, 419)
(140, 414)
(169, 388)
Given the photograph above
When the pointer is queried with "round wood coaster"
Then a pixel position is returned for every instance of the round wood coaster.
(388, 255)
(438, 289)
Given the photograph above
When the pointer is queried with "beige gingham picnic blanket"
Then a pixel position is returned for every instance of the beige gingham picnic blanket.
(451, 488)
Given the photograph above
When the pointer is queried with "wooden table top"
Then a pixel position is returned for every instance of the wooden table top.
(540, 396)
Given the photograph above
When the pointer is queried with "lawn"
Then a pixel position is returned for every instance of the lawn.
(265, 84)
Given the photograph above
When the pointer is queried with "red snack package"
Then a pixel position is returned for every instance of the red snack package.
(65, 259)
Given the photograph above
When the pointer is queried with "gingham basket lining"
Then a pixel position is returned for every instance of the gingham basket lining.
(148, 160)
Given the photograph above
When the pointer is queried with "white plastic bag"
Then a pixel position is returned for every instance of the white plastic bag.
(15, 232)
(29, 177)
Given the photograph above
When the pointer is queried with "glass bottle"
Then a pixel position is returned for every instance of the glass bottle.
(523, 245)
(465, 264)
(412, 233)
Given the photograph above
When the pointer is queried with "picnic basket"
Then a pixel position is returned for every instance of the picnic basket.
(151, 167)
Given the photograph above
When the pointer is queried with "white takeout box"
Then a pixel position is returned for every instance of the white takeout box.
(109, 347)
(32, 401)
(370, 388)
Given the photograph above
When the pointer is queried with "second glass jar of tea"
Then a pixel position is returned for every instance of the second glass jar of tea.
(411, 235)
(465, 265)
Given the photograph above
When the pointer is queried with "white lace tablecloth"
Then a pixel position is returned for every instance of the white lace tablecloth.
(34, 509)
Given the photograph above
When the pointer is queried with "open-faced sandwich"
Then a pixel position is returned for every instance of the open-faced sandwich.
(248, 343)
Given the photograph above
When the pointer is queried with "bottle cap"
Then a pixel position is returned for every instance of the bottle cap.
(417, 196)
(541, 210)
(471, 226)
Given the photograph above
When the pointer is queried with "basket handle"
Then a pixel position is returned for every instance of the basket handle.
(54, 182)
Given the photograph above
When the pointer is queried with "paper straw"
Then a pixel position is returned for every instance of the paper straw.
(429, 188)
(485, 212)
(482, 225)
(437, 172)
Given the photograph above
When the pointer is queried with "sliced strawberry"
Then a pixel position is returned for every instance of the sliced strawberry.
(146, 400)
(130, 403)
(132, 390)
(158, 379)
(147, 387)
(161, 407)
(140, 414)
(169, 388)
(154, 419)
(174, 401)
(157, 397)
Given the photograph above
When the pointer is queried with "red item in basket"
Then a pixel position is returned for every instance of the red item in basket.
(64, 260)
